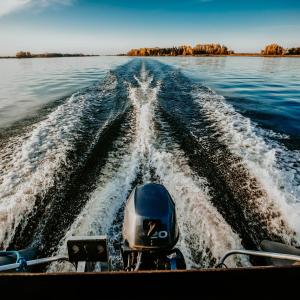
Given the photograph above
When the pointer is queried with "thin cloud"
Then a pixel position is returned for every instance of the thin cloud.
(8, 6)
(11, 6)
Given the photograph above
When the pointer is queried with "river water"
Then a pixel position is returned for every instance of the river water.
(221, 133)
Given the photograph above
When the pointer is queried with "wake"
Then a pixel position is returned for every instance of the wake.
(205, 236)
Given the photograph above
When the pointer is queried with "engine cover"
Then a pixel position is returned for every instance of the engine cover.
(150, 219)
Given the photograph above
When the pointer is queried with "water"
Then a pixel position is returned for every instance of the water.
(28, 84)
(264, 89)
(222, 134)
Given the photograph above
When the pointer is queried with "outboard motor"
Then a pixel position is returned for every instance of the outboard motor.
(150, 230)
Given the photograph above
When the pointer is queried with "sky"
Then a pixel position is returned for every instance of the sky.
(116, 26)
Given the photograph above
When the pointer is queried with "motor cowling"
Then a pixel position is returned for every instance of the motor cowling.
(150, 219)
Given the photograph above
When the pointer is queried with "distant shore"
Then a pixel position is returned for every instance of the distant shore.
(218, 55)
(250, 55)
(200, 50)
(196, 55)
(263, 55)
(272, 50)
(26, 55)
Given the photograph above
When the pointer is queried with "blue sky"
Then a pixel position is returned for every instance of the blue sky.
(115, 26)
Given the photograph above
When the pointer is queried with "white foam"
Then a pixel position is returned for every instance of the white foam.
(28, 163)
(113, 187)
(275, 167)
(202, 227)
(200, 223)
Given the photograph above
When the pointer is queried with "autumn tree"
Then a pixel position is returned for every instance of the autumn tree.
(214, 49)
(273, 49)
(23, 54)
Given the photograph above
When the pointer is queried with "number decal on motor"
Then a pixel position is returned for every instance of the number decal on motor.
(160, 235)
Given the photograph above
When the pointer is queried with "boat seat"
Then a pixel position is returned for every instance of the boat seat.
(276, 247)
(28, 254)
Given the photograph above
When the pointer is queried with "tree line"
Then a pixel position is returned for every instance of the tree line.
(275, 49)
(185, 50)
(209, 49)
(26, 54)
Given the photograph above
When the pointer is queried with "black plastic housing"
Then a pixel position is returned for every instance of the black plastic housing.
(150, 219)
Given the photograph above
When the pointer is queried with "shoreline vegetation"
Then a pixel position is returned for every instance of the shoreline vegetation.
(272, 50)
(213, 50)
(26, 54)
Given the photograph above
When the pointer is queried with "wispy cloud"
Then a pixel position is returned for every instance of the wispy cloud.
(10, 6)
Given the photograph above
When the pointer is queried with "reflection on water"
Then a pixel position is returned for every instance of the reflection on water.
(28, 84)
(265, 89)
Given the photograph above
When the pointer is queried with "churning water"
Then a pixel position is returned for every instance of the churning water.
(222, 134)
